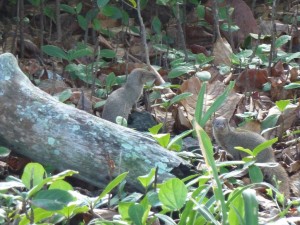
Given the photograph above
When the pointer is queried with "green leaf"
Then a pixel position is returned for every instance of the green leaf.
(61, 185)
(121, 121)
(203, 75)
(110, 80)
(133, 3)
(291, 86)
(246, 150)
(282, 104)
(99, 104)
(156, 25)
(53, 178)
(55, 51)
(68, 9)
(236, 208)
(178, 71)
(4, 152)
(216, 104)
(33, 175)
(255, 174)
(78, 53)
(147, 179)
(64, 96)
(136, 213)
(251, 207)
(102, 3)
(263, 146)
(115, 182)
(180, 97)
(244, 54)
(179, 137)
(162, 139)
(200, 11)
(173, 194)
(83, 23)
(282, 40)
(203, 59)
(166, 219)
(123, 209)
(112, 12)
(107, 53)
(270, 121)
(52, 200)
(155, 129)
(78, 7)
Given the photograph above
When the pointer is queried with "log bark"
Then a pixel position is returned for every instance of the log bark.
(36, 125)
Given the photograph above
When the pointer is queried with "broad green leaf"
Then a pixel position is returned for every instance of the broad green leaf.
(4, 152)
(200, 11)
(156, 25)
(112, 12)
(173, 194)
(133, 3)
(107, 53)
(203, 75)
(282, 104)
(64, 96)
(203, 59)
(61, 185)
(291, 86)
(123, 209)
(244, 54)
(236, 209)
(115, 182)
(110, 80)
(39, 215)
(102, 3)
(180, 97)
(52, 200)
(282, 40)
(82, 21)
(270, 121)
(136, 213)
(147, 179)
(33, 175)
(78, 7)
(155, 129)
(178, 71)
(162, 139)
(263, 146)
(255, 174)
(55, 51)
(99, 104)
(68, 9)
(78, 53)
(251, 207)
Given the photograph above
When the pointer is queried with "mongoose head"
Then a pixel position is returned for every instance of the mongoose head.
(140, 75)
(221, 125)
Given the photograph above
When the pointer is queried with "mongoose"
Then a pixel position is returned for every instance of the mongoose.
(228, 138)
(121, 101)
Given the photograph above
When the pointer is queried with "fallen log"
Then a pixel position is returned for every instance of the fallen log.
(36, 125)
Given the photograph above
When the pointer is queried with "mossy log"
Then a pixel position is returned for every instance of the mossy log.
(36, 125)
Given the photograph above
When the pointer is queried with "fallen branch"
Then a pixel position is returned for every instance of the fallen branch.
(36, 125)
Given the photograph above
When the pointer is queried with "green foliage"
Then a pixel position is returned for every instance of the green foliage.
(4, 152)
(165, 140)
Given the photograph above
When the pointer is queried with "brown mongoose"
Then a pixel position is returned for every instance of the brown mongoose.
(121, 101)
(228, 138)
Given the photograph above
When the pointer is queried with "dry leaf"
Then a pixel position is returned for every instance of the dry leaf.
(222, 52)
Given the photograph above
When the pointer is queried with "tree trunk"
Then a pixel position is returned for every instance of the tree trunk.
(36, 125)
